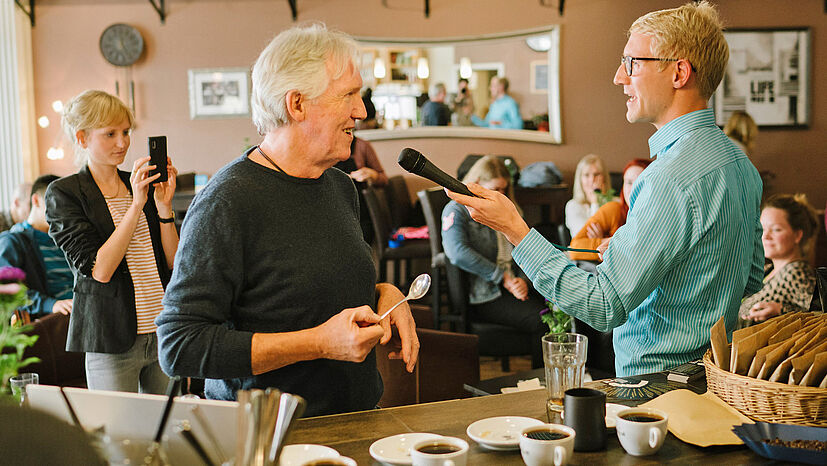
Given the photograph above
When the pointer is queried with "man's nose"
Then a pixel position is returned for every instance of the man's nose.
(620, 76)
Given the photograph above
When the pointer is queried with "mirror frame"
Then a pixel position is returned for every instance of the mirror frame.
(554, 136)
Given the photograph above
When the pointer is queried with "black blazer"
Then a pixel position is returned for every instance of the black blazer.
(103, 314)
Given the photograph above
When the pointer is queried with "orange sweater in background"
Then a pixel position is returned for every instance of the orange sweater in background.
(610, 217)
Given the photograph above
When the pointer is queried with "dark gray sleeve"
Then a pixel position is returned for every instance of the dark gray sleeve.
(194, 335)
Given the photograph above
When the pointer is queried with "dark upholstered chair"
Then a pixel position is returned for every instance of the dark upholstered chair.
(56, 366)
(494, 339)
(382, 226)
(446, 362)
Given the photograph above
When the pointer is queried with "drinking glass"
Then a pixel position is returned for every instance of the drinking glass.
(18, 385)
(564, 357)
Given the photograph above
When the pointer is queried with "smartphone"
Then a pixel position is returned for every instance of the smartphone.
(158, 157)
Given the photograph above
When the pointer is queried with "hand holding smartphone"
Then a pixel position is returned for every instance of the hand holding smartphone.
(158, 157)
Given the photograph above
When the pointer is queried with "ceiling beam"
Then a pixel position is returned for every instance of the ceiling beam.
(29, 12)
(160, 7)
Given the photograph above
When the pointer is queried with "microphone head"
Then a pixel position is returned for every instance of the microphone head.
(408, 158)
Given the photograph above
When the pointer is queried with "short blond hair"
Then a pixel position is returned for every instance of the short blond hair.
(742, 128)
(296, 59)
(693, 32)
(89, 110)
(591, 159)
(490, 168)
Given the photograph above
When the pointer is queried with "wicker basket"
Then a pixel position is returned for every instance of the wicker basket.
(761, 400)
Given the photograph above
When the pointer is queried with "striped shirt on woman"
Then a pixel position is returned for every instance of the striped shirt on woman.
(140, 258)
(689, 251)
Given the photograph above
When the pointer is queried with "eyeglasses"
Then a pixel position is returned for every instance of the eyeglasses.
(629, 61)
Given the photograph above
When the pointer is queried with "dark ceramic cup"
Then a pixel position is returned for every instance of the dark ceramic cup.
(584, 410)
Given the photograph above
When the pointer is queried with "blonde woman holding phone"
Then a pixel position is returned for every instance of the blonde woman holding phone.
(118, 232)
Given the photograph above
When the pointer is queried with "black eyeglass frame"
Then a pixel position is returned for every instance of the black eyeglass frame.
(629, 62)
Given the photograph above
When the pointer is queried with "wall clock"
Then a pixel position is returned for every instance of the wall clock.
(121, 44)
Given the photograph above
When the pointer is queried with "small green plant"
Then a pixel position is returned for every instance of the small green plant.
(603, 198)
(12, 297)
(557, 320)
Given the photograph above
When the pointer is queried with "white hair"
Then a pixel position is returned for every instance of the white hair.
(297, 59)
(436, 89)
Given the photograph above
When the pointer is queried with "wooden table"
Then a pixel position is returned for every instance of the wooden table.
(352, 434)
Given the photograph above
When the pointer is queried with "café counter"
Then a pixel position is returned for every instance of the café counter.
(352, 434)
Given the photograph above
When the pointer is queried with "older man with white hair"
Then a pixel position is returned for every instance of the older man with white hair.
(274, 285)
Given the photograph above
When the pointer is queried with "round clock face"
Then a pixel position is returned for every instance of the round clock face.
(121, 44)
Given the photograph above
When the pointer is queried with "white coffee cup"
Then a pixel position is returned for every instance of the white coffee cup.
(641, 437)
(542, 452)
(335, 460)
(440, 451)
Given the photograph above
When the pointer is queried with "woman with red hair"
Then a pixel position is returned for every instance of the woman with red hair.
(608, 218)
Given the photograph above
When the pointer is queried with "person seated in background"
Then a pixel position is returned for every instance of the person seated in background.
(364, 168)
(32, 250)
(789, 224)
(497, 294)
(435, 112)
(18, 208)
(462, 105)
(609, 217)
(742, 130)
(503, 113)
(590, 177)
(369, 122)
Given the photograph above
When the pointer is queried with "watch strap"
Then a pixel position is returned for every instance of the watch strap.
(167, 220)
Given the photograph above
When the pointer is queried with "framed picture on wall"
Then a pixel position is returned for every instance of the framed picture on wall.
(768, 76)
(219, 93)
(539, 77)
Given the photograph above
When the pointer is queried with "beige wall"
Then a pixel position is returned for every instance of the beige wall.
(200, 34)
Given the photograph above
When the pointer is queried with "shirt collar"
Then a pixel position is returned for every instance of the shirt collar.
(672, 131)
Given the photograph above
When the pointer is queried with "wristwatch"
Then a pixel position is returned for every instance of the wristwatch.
(167, 220)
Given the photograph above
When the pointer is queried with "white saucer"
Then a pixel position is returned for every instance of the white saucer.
(611, 414)
(295, 455)
(500, 433)
(396, 449)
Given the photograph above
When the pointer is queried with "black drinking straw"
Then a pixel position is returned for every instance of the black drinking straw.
(71, 409)
(172, 389)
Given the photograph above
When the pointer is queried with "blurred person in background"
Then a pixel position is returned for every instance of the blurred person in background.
(742, 130)
(118, 232)
(790, 225)
(590, 178)
(609, 217)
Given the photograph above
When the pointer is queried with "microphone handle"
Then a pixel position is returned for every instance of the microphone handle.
(433, 173)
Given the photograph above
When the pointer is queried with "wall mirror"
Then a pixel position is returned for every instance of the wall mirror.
(399, 73)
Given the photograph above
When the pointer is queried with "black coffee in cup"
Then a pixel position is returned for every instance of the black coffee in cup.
(546, 434)
(641, 417)
(439, 449)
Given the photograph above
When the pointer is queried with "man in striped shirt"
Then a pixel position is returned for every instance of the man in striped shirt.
(30, 248)
(691, 247)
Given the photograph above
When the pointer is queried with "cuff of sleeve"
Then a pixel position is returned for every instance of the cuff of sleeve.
(533, 252)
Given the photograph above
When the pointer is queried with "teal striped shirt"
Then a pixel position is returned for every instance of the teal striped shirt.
(689, 251)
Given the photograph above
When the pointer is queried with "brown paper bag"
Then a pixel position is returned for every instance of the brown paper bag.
(717, 338)
(747, 348)
(801, 364)
(774, 358)
(817, 371)
(702, 420)
(785, 332)
(810, 339)
(760, 357)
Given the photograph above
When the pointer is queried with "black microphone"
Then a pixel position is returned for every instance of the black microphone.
(416, 163)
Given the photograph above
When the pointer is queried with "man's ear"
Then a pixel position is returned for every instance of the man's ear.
(37, 200)
(683, 71)
(296, 105)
